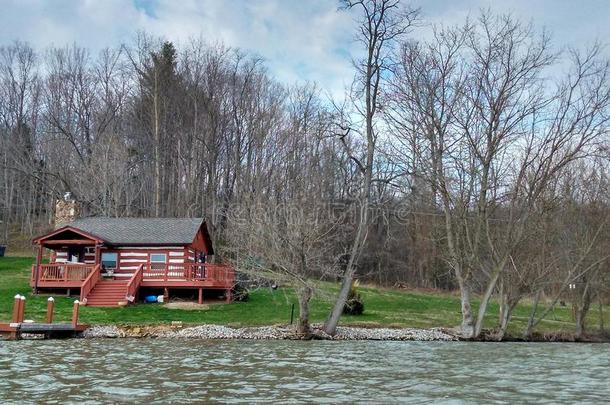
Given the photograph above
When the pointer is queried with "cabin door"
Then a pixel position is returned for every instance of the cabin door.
(76, 254)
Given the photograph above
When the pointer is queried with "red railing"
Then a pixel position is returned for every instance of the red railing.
(90, 282)
(222, 274)
(62, 272)
(134, 283)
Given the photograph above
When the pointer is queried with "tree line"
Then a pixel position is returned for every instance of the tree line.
(473, 158)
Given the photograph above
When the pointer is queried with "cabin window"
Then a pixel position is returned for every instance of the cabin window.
(109, 260)
(158, 258)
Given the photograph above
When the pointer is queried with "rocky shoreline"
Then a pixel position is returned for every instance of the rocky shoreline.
(264, 333)
(282, 332)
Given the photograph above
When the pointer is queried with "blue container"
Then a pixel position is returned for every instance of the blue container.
(150, 298)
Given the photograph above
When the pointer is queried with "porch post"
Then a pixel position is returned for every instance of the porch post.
(37, 270)
(97, 253)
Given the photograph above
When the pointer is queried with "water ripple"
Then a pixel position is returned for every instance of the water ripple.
(171, 371)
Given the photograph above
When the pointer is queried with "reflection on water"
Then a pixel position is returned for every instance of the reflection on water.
(146, 370)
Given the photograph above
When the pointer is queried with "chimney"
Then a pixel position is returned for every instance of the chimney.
(66, 210)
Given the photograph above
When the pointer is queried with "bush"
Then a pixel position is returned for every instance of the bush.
(240, 293)
(354, 304)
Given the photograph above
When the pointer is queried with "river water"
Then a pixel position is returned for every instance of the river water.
(174, 370)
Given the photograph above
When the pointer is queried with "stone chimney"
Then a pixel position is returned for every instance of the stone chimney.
(66, 210)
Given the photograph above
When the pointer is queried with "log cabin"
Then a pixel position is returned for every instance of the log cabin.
(117, 261)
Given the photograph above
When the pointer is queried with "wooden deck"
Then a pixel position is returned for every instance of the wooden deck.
(61, 275)
(194, 275)
(180, 275)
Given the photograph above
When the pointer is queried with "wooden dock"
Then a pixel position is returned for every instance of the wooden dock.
(49, 330)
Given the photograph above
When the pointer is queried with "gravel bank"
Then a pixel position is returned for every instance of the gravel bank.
(263, 333)
(346, 333)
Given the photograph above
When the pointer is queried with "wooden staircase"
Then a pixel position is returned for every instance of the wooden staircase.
(107, 293)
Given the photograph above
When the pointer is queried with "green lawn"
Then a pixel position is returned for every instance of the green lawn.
(383, 307)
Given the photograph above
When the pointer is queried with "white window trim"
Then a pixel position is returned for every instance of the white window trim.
(158, 254)
(110, 253)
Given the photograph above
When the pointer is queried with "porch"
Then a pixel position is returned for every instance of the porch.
(91, 281)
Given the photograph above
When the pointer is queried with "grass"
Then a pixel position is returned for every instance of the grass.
(383, 307)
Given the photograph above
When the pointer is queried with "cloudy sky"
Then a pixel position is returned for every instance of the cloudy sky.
(300, 39)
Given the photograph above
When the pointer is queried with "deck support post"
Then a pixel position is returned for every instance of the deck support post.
(67, 292)
(200, 300)
(37, 269)
(75, 313)
(229, 295)
(50, 304)
(165, 294)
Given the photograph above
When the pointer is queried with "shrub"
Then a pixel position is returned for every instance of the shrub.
(354, 304)
(240, 293)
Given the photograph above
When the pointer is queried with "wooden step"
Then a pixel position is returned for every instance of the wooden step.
(105, 299)
(107, 293)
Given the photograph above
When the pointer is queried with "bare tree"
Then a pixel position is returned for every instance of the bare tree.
(492, 143)
(289, 242)
(381, 24)
(287, 232)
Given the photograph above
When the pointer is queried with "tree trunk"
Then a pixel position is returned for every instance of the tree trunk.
(330, 326)
(157, 146)
(531, 322)
(601, 314)
(507, 307)
(581, 310)
(303, 327)
(467, 321)
(491, 285)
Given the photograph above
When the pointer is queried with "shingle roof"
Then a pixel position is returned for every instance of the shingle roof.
(141, 231)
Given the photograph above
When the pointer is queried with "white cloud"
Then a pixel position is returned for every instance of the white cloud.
(300, 40)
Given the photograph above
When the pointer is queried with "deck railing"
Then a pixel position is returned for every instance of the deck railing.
(222, 274)
(90, 282)
(62, 272)
(134, 283)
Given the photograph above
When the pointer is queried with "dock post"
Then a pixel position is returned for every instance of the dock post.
(50, 304)
(16, 305)
(21, 309)
(75, 313)
(200, 300)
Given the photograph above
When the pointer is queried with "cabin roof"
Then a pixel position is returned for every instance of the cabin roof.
(141, 231)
